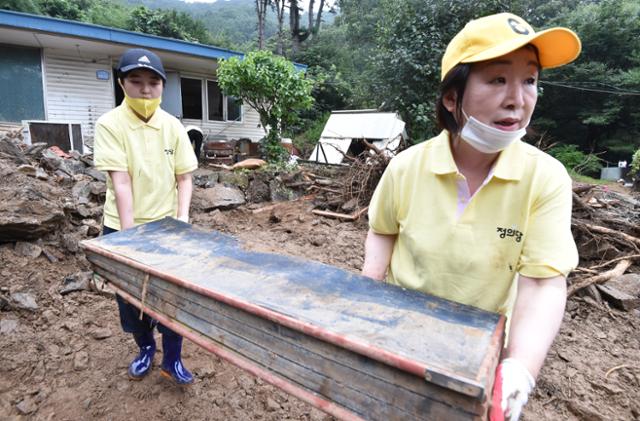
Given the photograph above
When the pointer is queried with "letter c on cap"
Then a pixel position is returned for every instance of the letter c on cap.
(517, 27)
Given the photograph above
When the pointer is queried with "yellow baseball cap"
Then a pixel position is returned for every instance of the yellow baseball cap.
(496, 35)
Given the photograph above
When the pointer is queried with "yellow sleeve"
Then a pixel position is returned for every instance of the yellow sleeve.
(549, 249)
(109, 153)
(186, 160)
(383, 216)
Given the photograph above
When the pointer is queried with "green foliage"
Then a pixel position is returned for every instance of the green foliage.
(168, 23)
(635, 163)
(307, 140)
(575, 160)
(273, 87)
(25, 6)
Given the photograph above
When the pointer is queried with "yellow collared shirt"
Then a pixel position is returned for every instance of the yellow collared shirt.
(153, 153)
(518, 222)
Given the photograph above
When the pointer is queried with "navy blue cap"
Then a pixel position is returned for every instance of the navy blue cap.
(139, 58)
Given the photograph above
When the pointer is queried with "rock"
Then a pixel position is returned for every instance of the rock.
(237, 179)
(28, 249)
(27, 406)
(98, 188)
(272, 405)
(279, 192)
(97, 175)
(258, 191)
(350, 205)
(77, 282)
(218, 197)
(87, 211)
(41, 174)
(93, 227)
(7, 326)
(27, 214)
(81, 192)
(24, 301)
(49, 316)
(101, 333)
(70, 242)
(204, 178)
(36, 148)
(4, 304)
(28, 170)
(8, 147)
(622, 292)
(80, 361)
(75, 154)
(87, 159)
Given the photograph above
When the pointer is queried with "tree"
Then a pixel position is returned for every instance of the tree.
(26, 6)
(273, 87)
(168, 23)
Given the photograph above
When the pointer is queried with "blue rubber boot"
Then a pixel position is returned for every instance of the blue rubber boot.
(172, 367)
(141, 365)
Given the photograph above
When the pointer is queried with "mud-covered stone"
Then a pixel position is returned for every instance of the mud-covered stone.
(234, 178)
(218, 197)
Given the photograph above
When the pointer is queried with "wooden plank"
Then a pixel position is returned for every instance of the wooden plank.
(320, 330)
(388, 393)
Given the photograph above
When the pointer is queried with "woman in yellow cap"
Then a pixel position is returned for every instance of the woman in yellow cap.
(477, 216)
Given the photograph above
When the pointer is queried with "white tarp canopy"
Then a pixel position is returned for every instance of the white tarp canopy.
(384, 130)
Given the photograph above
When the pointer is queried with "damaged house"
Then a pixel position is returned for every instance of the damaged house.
(57, 77)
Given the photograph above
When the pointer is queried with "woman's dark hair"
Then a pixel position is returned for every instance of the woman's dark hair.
(455, 83)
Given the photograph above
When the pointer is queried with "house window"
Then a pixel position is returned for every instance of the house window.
(234, 109)
(215, 101)
(222, 107)
(191, 98)
(21, 89)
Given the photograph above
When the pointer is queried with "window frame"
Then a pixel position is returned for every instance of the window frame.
(225, 105)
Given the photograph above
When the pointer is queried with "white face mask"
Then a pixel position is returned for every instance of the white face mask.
(488, 139)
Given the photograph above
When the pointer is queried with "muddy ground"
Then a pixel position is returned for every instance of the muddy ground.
(67, 359)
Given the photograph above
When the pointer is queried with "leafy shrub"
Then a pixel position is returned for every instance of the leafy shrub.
(575, 160)
(635, 163)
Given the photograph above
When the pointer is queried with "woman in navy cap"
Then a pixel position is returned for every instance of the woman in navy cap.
(149, 159)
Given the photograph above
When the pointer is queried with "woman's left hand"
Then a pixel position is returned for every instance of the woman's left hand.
(511, 389)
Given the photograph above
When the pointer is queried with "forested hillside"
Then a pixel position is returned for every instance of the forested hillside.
(386, 54)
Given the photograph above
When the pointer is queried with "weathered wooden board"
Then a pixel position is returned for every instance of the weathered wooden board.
(353, 347)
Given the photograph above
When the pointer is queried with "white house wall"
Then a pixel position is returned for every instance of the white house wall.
(73, 92)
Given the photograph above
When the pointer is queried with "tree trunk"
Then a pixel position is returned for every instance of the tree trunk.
(261, 10)
(310, 12)
(316, 29)
(279, 6)
(294, 25)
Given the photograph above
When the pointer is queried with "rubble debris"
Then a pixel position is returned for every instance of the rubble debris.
(76, 282)
(622, 292)
(24, 300)
(28, 249)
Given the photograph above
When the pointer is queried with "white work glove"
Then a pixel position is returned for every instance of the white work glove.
(515, 383)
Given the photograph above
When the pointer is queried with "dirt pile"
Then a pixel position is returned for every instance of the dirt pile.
(65, 357)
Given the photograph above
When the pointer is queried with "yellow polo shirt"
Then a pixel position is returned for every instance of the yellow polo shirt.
(518, 222)
(153, 153)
